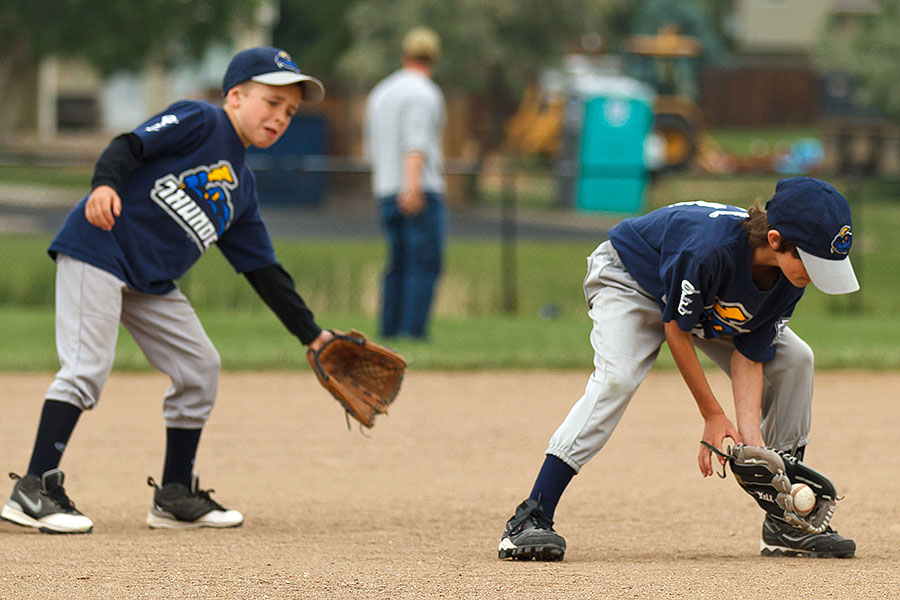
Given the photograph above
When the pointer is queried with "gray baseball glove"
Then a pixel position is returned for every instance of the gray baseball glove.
(767, 475)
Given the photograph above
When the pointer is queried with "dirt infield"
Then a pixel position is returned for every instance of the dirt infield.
(416, 510)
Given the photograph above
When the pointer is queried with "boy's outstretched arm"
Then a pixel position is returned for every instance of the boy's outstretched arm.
(747, 387)
(716, 425)
(276, 288)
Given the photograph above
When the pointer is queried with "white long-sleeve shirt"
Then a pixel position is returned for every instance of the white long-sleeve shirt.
(405, 113)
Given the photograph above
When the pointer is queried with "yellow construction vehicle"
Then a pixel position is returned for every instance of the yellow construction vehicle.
(676, 117)
(537, 126)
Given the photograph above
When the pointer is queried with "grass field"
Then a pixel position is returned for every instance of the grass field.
(549, 328)
(57, 176)
(256, 340)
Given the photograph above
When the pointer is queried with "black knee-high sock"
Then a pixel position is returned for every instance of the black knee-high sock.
(181, 449)
(551, 482)
(58, 420)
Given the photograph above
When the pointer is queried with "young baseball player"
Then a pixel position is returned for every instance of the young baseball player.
(161, 196)
(721, 279)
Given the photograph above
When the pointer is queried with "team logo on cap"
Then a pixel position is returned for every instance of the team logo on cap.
(284, 61)
(842, 241)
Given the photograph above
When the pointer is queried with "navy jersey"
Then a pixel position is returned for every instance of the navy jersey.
(694, 258)
(192, 190)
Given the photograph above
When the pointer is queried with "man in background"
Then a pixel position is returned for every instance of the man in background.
(405, 117)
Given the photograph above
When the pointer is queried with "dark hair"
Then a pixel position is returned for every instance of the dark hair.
(757, 228)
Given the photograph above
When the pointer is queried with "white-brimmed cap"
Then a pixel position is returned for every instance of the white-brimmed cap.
(816, 217)
(273, 67)
(830, 276)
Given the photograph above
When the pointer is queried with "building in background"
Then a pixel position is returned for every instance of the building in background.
(75, 109)
(771, 79)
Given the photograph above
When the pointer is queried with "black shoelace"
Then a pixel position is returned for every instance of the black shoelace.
(536, 515)
(59, 497)
(204, 494)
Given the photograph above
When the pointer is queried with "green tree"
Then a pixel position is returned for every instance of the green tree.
(315, 33)
(694, 18)
(111, 34)
(866, 48)
(491, 49)
(488, 45)
(691, 18)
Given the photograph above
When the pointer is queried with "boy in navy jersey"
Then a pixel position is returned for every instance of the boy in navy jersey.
(721, 279)
(160, 197)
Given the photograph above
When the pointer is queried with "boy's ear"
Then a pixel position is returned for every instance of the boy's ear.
(774, 239)
(233, 97)
(229, 96)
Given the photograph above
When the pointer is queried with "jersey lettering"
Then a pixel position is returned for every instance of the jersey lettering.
(718, 210)
(164, 121)
(687, 290)
(184, 197)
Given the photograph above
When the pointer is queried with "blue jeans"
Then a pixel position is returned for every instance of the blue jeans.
(415, 252)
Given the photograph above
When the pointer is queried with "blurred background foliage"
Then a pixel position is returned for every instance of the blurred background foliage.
(867, 48)
(162, 30)
(489, 45)
(166, 32)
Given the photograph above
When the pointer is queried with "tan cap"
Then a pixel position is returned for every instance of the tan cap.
(422, 43)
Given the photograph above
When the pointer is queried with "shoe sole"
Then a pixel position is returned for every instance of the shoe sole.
(769, 550)
(17, 517)
(156, 521)
(539, 552)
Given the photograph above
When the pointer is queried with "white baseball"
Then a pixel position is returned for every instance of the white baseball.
(804, 498)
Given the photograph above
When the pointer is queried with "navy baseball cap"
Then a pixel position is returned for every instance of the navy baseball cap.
(816, 217)
(271, 66)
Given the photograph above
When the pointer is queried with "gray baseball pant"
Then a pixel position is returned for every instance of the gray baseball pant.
(90, 304)
(626, 336)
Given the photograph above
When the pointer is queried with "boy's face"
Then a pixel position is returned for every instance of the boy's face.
(260, 113)
(789, 262)
(793, 269)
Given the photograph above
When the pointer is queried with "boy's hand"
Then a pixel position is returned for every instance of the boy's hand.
(324, 337)
(102, 207)
(716, 429)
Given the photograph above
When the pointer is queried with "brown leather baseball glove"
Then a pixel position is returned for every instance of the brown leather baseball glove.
(363, 376)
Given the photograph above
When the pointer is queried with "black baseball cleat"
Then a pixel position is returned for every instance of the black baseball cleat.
(780, 539)
(529, 535)
(42, 503)
(175, 506)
